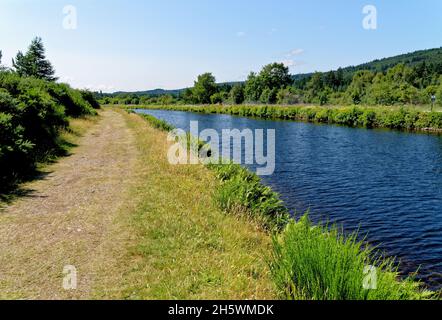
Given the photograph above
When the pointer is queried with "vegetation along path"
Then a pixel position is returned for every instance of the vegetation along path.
(130, 224)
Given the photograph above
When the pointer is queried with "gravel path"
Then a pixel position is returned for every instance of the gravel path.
(68, 217)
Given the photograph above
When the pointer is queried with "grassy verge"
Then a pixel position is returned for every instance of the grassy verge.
(410, 119)
(309, 262)
(183, 246)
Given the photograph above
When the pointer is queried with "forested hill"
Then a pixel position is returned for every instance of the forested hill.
(154, 92)
(429, 57)
(407, 79)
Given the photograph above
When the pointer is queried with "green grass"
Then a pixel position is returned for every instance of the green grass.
(183, 245)
(242, 191)
(319, 263)
(399, 118)
(157, 123)
(310, 262)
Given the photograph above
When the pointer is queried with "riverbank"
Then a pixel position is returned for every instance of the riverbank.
(133, 226)
(409, 119)
(184, 246)
(304, 255)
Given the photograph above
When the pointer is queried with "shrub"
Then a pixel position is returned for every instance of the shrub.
(237, 94)
(90, 98)
(368, 119)
(216, 98)
(71, 99)
(41, 119)
(32, 114)
(15, 151)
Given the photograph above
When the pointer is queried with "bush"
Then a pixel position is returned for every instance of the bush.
(14, 149)
(90, 98)
(71, 99)
(237, 94)
(216, 98)
(32, 114)
(269, 96)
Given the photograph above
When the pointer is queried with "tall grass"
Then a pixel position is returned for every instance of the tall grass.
(319, 263)
(308, 262)
(158, 123)
(353, 116)
(242, 191)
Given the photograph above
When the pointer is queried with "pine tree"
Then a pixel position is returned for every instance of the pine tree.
(34, 62)
(2, 68)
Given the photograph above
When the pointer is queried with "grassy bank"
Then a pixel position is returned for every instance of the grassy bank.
(410, 119)
(308, 262)
(183, 246)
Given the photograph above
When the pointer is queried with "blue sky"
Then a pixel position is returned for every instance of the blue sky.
(138, 45)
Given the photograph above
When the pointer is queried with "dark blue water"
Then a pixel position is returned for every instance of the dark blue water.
(387, 184)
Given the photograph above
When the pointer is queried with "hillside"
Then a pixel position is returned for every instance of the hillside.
(153, 93)
(430, 56)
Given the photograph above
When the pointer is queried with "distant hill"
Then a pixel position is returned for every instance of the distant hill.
(152, 93)
(430, 56)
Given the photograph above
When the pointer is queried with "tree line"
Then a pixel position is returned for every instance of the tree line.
(381, 83)
(34, 110)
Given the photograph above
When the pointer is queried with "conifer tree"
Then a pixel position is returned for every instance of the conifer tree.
(34, 62)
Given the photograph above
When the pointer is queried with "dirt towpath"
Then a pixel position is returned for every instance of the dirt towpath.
(67, 217)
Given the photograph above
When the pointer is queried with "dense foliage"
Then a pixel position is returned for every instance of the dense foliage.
(353, 116)
(33, 111)
(410, 79)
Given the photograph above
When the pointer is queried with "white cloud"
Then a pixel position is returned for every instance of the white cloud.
(292, 63)
(295, 52)
(100, 87)
(272, 31)
(67, 79)
(288, 63)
